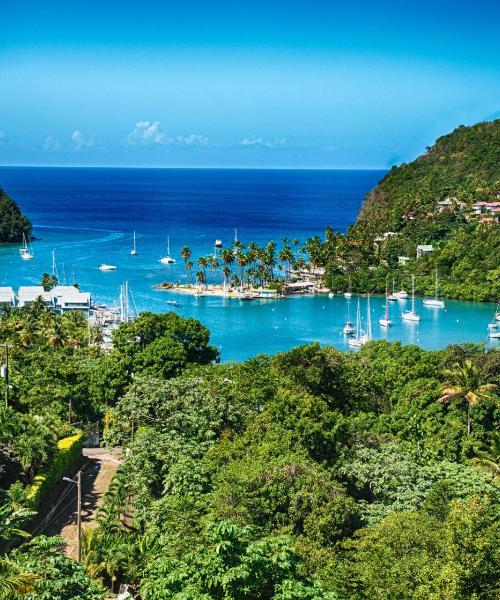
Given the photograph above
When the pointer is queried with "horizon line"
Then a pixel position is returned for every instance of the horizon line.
(200, 168)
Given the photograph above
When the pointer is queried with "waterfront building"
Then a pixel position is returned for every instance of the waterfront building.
(7, 297)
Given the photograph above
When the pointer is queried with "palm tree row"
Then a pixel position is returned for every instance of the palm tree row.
(246, 265)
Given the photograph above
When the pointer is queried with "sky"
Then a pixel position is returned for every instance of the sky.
(264, 84)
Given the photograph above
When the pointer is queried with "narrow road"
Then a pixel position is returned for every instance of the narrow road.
(101, 465)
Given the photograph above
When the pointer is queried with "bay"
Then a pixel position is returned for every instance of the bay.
(87, 216)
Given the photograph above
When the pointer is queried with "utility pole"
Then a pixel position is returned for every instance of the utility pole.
(5, 373)
(79, 514)
(78, 482)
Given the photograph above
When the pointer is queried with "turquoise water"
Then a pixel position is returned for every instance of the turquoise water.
(87, 217)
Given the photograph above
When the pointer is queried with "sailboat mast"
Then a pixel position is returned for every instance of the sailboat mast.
(436, 288)
(413, 293)
(168, 245)
(368, 317)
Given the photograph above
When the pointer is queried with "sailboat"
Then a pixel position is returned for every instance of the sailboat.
(393, 297)
(411, 315)
(434, 301)
(385, 321)
(167, 260)
(348, 294)
(493, 325)
(26, 251)
(133, 252)
(360, 338)
(348, 327)
(24, 247)
(331, 293)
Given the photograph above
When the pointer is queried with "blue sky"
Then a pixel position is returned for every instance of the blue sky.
(252, 84)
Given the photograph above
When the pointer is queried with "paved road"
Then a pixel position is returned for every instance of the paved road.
(101, 465)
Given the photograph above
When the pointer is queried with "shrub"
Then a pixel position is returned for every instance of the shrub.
(68, 451)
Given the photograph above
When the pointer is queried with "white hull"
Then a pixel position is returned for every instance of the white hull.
(433, 302)
(383, 322)
(402, 295)
(331, 295)
(347, 294)
(492, 325)
(133, 252)
(393, 298)
(495, 335)
(107, 268)
(26, 256)
(167, 260)
(411, 316)
(497, 317)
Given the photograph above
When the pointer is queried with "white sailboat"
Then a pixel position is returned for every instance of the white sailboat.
(348, 327)
(348, 294)
(105, 267)
(167, 260)
(494, 325)
(331, 293)
(24, 247)
(133, 252)
(393, 297)
(385, 321)
(360, 338)
(26, 251)
(435, 302)
(412, 315)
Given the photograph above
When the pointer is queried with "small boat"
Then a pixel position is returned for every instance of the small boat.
(495, 335)
(167, 260)
(393, 297)
(434, 302)
(331, 293)
(218, 243)
(24, 248)
(133, 252)
(411, 315)
(360, 338)
(402, 295)
(105, 267)
(174, 303)
(348, 294)
(348, 327)
(385, 321)
(497, 316)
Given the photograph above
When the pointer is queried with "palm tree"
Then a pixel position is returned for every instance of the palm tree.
(13, 585)
(488, 456)
(186, 255)
(286, 256)
(466, 388)
(203, 264)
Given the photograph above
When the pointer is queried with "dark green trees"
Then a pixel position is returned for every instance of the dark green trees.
(13, 224)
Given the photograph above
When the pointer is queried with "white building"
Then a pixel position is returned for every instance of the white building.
(424, 249)
(403, 260)
(27, 294)
(7, 297)
(68, 297)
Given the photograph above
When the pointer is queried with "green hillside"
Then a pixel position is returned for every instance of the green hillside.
(406, 210)
(464, 164)
(12, 221)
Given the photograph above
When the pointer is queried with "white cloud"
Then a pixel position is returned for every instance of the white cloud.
(254, 140)
(80, 140)
(149, 133)
(51, 144)
(193, 139)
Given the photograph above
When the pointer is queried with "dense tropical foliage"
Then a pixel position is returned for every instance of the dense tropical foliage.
(13, 224)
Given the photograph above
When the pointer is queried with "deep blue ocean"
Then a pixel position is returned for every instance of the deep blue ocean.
(88, 215)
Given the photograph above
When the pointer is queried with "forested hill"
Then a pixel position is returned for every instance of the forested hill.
(12, 221)
(464, 164)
